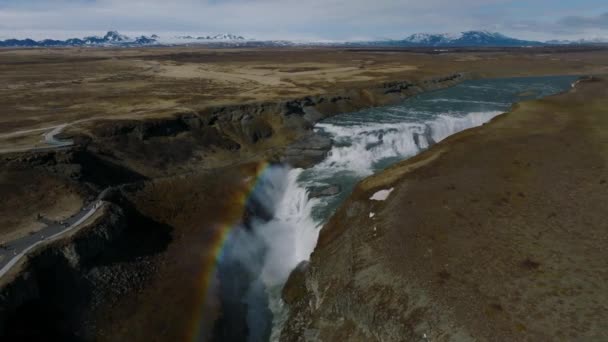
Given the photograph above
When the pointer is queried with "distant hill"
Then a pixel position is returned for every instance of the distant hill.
(225, 36)
(113, 38)
(444, 40)
(464, 39)
(595, 41)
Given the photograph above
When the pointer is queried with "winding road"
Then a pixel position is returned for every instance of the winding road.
(49, 138)
(12, 252)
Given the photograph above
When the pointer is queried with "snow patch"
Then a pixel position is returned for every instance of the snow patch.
(381, 195)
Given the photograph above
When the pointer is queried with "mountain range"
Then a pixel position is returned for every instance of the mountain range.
(225, 36)
(463, 39)
(113, 38)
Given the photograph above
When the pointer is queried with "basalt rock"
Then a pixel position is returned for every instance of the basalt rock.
(76, 164)
(62, 284)
(295, 287)
(325, 191)
(307, 151)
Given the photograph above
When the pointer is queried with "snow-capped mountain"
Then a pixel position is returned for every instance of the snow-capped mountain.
(464, 39)
(112, 38)
(224, 36)
(115, 37)
(431, 39)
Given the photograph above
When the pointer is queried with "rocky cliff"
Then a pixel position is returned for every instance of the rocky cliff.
(495, 233)
(58, 289)
(67, 288)
(216, 136)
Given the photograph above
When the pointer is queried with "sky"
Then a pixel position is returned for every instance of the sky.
(332, 20)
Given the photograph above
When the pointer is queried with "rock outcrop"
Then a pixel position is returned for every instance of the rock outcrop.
(63, 283)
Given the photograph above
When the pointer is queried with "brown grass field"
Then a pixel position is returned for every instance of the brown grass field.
(44, 87)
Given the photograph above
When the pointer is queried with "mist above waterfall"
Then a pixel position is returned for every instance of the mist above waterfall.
(260, 255)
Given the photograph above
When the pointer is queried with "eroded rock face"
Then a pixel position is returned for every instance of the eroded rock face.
(295, 287)
(66, 282)
(307, 151)
(216, 136)
(354, 297)
(476, 242)
(63, 284)
(330, 190)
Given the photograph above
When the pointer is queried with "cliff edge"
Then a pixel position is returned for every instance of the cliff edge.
(496, 233)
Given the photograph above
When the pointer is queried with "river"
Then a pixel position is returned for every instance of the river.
(365, 142)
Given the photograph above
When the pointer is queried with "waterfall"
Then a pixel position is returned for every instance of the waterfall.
(258, 259)
(261, 256)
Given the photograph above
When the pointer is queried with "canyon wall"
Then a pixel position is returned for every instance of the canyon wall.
(63, 285)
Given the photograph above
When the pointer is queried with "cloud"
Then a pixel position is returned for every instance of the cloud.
(332, 18)
(275, 19)
(565, 27)
(580, 22)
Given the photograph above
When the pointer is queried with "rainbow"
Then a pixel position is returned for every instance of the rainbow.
(213, 257)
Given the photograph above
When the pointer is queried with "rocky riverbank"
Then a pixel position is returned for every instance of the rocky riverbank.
(496, 233)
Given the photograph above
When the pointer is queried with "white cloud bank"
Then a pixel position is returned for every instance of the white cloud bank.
(294, 19)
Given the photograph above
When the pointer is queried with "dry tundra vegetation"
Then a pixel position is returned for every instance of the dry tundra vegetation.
(42, 88)
(119, 105)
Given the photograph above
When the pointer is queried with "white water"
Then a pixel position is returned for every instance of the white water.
(361, 147)
(264, 255)
(292, 234)
(364, 143)
(446, 125)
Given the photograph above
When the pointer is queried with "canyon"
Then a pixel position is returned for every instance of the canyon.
(173, 172)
